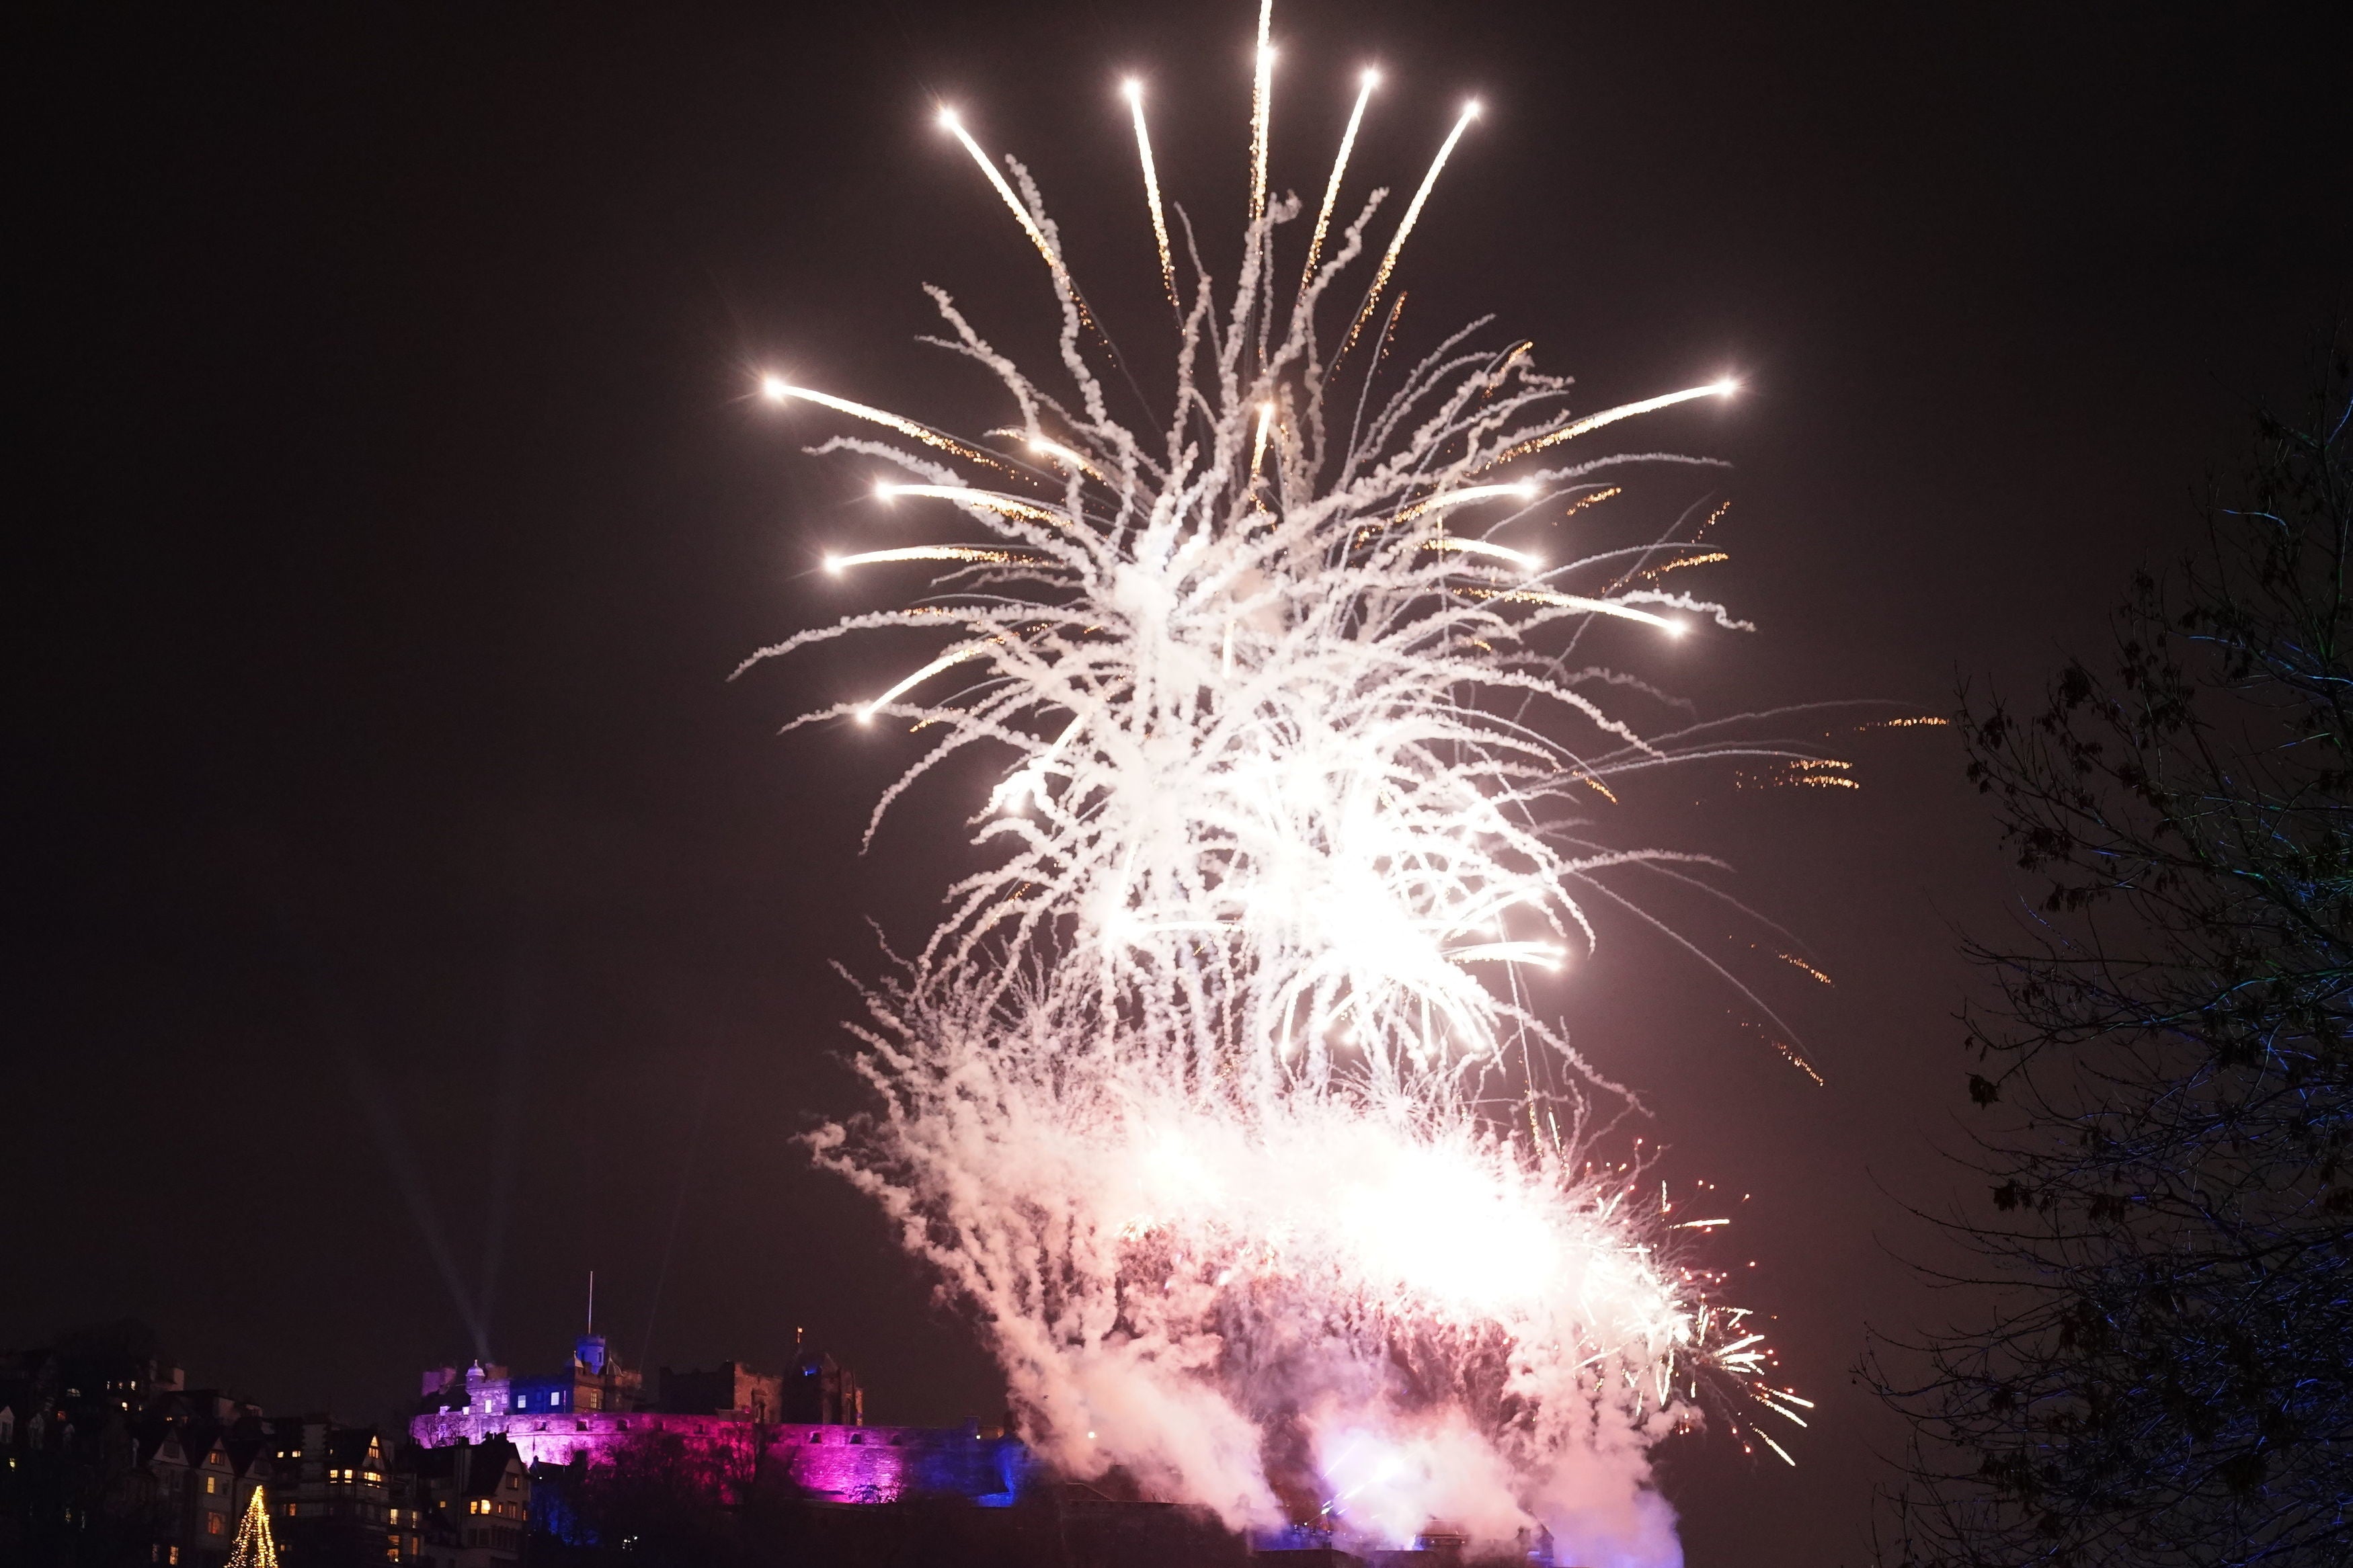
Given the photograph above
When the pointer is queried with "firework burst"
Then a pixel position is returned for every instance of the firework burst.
(1193, 1091)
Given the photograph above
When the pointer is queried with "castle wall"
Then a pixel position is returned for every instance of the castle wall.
(831, 1463)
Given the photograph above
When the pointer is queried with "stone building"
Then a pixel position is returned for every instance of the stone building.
(106, 1453)
(197, 1490)
(730, 1387)
(337, 1493)
(475, 1503)
(595, 1379)
(821, 1391)
(107, 1456)
(804, 1429)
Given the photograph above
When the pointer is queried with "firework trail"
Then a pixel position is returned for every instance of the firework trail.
(1193, 1092)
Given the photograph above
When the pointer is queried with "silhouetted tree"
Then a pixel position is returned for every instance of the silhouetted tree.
(659, 1497)
(662, 1501)
(2167, 1377)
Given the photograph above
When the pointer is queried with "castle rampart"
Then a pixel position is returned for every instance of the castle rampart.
(830, 1463)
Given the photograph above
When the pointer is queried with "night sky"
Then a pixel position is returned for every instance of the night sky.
(394, 871)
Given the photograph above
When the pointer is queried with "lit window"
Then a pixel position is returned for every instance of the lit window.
(212, 1524)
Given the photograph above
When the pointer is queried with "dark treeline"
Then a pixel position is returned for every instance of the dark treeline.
(651, 1508)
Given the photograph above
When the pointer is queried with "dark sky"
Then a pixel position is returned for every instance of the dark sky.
(389, 852)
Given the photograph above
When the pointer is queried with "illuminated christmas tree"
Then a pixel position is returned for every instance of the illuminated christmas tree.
(255, 1548)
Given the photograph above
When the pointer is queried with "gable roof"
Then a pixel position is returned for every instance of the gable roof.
(352, 1445)
(201, 1445)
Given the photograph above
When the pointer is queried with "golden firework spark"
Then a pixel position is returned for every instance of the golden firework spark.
(1369, 81)
(1135, 91)
(1412, 217)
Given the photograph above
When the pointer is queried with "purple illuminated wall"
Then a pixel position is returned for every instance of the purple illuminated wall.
(833, 1464)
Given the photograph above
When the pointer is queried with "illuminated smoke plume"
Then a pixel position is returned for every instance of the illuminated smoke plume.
(1217, 1093)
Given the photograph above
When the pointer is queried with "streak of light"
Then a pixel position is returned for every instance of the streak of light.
(1262, 110)
(1459, 545)
(950, 121)
(954, 656)
(775, 389)
(1371, 79)
(1412, 216)
(987, 501)
(1672, 627)
(1453, 498)
(1652, 574)
(837, 564)
(1591, 498)
(1054, 451)
(1134, 92)
(1575, 427)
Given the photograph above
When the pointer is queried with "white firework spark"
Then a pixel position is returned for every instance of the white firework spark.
(1407, 1311)
(1275, 777)
(1184, 1092)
